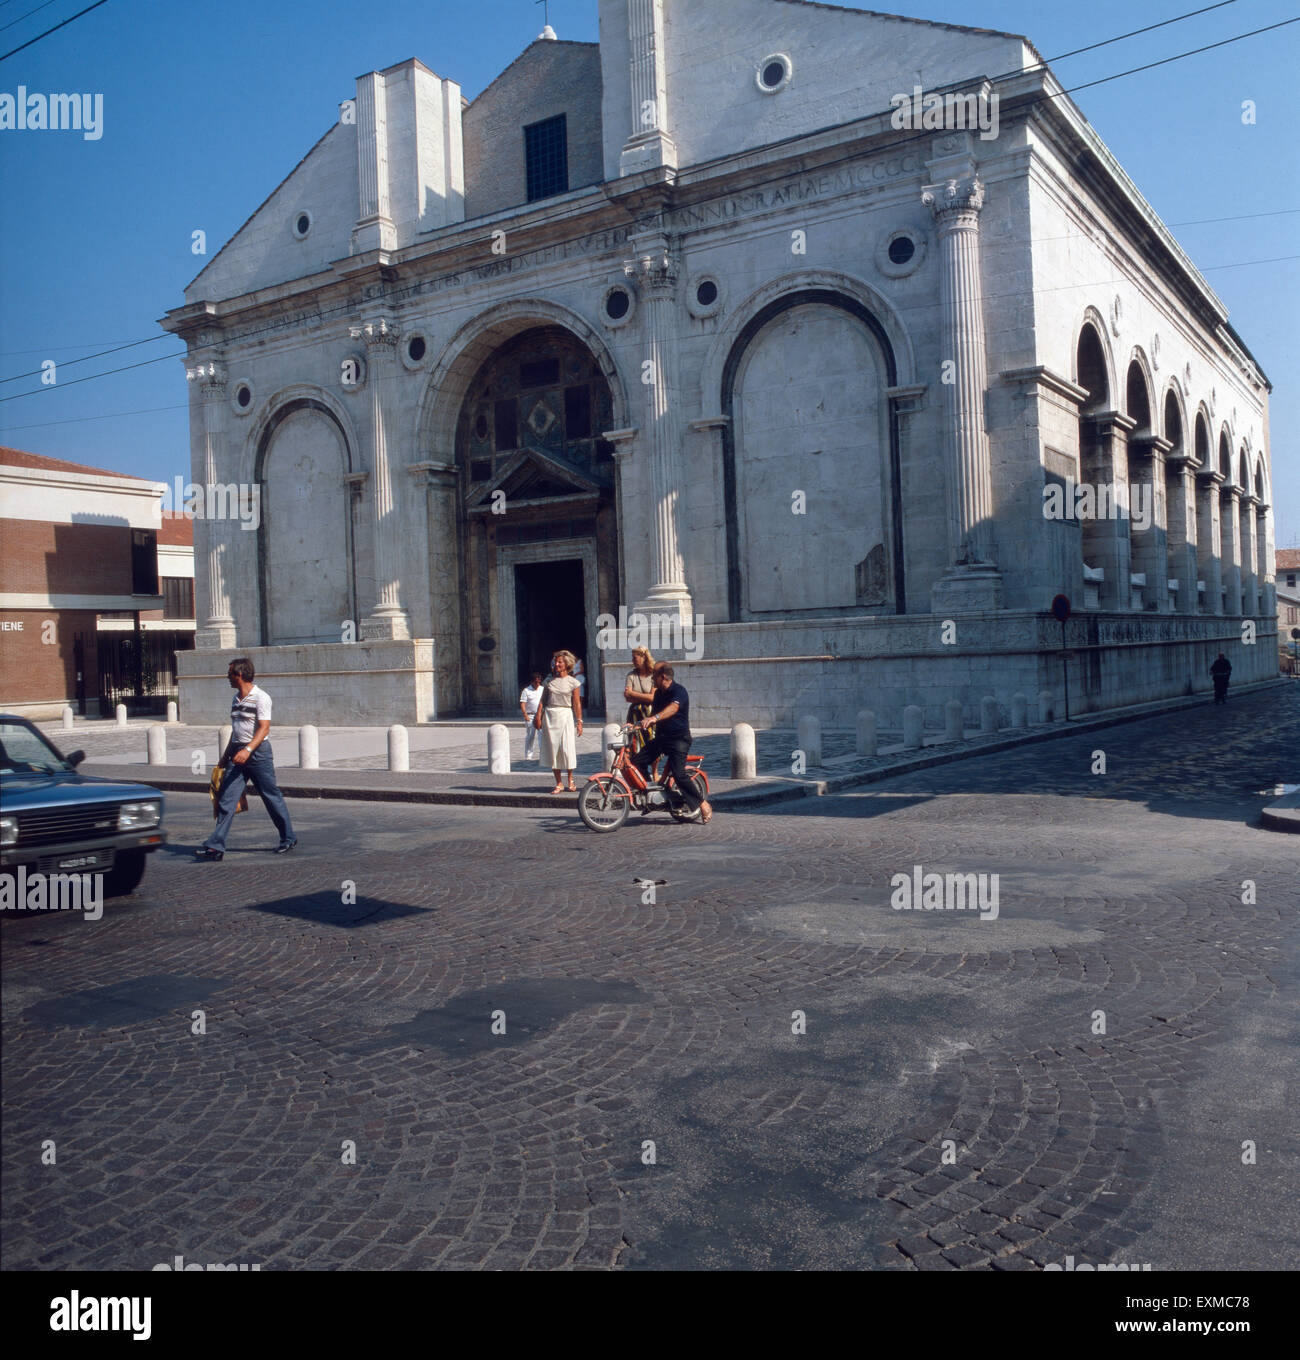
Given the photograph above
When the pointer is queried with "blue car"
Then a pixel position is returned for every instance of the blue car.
(56, 821)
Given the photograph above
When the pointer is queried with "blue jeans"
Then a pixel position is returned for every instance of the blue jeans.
(259, 770)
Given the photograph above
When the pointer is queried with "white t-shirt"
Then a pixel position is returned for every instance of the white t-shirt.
(530, 698)
(246, 713)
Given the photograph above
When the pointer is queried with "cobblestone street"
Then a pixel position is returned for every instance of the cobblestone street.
(956, 1100)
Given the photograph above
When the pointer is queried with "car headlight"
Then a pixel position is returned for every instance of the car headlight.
(138, 816)
(8, 830)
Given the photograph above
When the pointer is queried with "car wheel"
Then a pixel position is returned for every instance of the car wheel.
(126, 873)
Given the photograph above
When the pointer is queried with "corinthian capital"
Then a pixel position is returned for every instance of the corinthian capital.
(379, 332)
(955, 198)
(211, 378)
(654, 271)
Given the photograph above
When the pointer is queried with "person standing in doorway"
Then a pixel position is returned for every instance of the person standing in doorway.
(559, 715)
(247, 759)
(529, 702)
(1221, 671)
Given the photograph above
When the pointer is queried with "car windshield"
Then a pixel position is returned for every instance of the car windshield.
(24, 751)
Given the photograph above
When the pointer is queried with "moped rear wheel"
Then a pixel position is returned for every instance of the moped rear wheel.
(681, 812)
(603, 807)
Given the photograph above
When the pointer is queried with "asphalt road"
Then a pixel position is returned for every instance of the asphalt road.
(950, 1102)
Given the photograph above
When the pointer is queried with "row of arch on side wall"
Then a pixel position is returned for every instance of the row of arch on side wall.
(1094, 371)
(1188, 548)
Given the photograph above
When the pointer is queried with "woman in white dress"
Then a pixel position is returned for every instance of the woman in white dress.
(560, 713)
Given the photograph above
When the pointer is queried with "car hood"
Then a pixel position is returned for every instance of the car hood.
(19, 792)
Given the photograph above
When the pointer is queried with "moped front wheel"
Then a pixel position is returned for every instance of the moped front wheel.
(603, 806)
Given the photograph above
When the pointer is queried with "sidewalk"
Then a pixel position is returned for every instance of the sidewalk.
(448, 769)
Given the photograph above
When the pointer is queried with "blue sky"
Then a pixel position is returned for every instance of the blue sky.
(208, 107)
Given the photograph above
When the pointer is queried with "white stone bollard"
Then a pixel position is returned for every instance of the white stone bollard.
(953, 729)
(810, 741)
(866, 732)
(156, 738)
(744, 752)
(498, 742)
(172, 715)
(988, 714)
(608, 736)
(1019, 710)
(913, 717)
(308, 748)
(399, 753)
(223, 740)
(120, 714)
(67, 716)
(1046, 709)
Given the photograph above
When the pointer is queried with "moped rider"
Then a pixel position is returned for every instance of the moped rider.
(670, 711)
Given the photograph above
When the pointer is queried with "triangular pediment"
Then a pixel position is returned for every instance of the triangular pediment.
(530, 475)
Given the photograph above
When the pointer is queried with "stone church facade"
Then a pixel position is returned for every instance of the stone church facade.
(696, 322)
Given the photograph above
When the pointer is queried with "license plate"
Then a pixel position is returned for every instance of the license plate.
(99, 859)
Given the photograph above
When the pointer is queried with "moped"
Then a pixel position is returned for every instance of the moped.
(607, 798)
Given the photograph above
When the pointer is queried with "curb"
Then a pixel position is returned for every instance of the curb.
(761, 792)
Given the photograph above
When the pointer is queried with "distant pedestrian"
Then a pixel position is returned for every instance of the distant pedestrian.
(580, 675)
(1221, 671)
(559, 715)
(529, 702)
(247, 760)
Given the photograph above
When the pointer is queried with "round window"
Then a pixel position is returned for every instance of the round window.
(415, 348)
(707, 293)
(773, 73)
(901, 249)
(617, 304)
(244, 396)
(301, 224)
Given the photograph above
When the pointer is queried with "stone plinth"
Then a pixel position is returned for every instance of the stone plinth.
(374, 683)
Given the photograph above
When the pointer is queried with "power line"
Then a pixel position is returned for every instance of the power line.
(131, 344)
(81, 420)
(48, 31)
(28, 15)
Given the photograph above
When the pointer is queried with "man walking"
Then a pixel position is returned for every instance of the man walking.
(247, 758)
(670, 712)
(1220, 671)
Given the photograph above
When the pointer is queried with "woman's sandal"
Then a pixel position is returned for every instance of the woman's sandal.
(559, 788)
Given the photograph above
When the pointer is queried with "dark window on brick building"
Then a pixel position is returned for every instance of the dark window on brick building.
(546, 157)
(178, 597)
(144, 562)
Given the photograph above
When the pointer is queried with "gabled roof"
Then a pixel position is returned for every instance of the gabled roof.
(904, 19)
(537, 42)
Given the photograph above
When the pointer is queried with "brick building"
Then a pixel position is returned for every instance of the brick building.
(96, 588)
(1288, 607)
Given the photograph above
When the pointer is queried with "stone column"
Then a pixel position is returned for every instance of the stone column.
(1106, 541)
(213, 545)
(388, 619)
(1230, 555)
(1146, 474)
(973, 581)
(1249, 557)
(1208, 539)
(656, 270)
(1264, 564)
(1180, 489)
(441, 484)
(649, 143)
